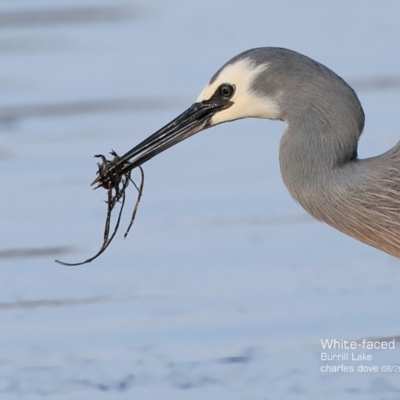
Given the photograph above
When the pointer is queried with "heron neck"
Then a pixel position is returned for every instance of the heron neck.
(358, 197)
(315, 161)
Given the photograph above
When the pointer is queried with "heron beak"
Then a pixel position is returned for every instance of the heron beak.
(195, 119)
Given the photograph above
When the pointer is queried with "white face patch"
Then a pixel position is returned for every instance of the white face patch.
(246, 103)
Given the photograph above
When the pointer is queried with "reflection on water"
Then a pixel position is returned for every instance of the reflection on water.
(39, 17)
(376, 83)
(33, 252)
(45, 303)
(86, 107)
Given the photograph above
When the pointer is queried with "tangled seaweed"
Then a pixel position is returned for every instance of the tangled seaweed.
(115, 182)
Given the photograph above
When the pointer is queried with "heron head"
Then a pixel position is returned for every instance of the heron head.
(230, 95)
(233, 86)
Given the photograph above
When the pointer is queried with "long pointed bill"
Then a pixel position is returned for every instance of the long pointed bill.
(195, 119)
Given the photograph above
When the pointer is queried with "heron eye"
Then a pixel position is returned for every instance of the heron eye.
(226, 90)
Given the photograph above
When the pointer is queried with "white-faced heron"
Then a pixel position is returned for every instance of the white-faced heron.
(318, 150)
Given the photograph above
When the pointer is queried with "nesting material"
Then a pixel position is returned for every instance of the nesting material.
(111, 178)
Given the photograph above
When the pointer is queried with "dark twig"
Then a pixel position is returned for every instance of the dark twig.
(140, 193)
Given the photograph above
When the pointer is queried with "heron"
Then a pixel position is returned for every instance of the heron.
(318, 150)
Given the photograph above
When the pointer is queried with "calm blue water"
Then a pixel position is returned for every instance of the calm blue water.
(224, 287)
